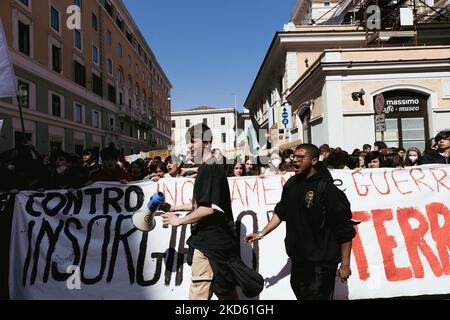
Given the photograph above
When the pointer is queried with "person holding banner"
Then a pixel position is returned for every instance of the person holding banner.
(216, 263)
(319, 229)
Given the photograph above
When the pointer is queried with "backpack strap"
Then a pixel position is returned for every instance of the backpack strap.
(323, 185)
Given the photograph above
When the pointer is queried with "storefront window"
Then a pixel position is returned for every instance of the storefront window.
(406, 119)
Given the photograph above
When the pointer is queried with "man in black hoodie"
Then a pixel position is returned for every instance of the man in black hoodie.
(442, 155)
(319, 229)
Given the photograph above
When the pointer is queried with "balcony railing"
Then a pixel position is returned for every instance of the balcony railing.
(124, 112)
(136, 114)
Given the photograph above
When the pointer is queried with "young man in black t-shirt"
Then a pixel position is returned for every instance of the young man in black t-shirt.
(216, 259)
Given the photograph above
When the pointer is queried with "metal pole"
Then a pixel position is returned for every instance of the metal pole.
(415, 22)
(19, 100)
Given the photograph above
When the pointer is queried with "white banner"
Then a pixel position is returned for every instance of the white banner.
(8, 85)
(402, 246)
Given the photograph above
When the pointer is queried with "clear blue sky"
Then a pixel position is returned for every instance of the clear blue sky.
(210, 49)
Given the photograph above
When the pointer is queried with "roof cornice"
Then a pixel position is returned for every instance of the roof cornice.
(292, 40)
(322, 69)
(203, 112)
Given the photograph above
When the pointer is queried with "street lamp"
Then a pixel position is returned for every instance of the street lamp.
(23, 100)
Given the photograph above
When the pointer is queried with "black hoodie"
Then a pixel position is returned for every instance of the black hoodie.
(434, 157)
(309, 236)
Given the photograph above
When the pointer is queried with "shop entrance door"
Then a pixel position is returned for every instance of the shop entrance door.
(406, 119)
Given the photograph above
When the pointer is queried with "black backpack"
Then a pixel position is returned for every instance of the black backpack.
(321, 196)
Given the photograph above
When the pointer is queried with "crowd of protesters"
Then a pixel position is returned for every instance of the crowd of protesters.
(377, 156)
(23, 168)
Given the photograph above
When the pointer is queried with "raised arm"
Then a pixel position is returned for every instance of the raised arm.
(197, 215)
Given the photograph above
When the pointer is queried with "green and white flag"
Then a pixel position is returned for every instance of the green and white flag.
(252, 141)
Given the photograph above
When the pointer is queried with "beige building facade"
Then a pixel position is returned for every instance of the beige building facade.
(221, 121)
(336, 100)
(87, 86)
(332, 72)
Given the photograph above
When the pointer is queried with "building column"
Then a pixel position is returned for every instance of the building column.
(291, 70)
(333, 118)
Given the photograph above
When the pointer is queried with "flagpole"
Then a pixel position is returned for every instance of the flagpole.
(23, 94)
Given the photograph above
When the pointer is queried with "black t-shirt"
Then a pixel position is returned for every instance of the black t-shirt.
(211, 190)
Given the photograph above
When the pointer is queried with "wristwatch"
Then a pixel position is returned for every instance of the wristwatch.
(260, 234)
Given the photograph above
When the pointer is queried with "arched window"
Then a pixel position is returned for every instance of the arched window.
(130, 84)
(120, 74)
(137, 90)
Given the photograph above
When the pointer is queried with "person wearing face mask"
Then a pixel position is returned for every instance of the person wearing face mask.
(274, 165)
(413, 157)
(287, 157)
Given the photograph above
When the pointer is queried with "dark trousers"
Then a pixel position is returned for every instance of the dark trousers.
(313, 281)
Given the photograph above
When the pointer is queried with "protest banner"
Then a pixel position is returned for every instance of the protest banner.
(8, 87)
(83, 245)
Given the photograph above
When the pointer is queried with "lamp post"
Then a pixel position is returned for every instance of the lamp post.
(23, 100)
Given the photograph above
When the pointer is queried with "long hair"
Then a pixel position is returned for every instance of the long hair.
(409, 163)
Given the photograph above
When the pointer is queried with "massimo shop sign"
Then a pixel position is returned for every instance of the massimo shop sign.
(404, 103)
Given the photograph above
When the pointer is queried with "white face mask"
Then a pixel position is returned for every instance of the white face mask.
(276, 163)
(413, 158)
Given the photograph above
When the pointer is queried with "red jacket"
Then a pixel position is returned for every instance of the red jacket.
(115, 175)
